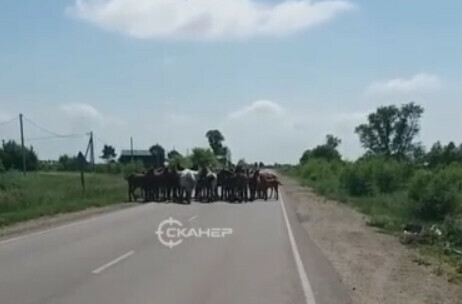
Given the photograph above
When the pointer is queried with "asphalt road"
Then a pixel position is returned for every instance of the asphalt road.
(118, 258)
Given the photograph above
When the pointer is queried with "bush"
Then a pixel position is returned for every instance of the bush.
(356, 178)
(48, 165)
(452, 230)
(68, 163)
(202, 157)
(435, 194)
(319, 169)
(110, 168)
(2, 168)
(375, 174)
(179, 161)
(130, 168)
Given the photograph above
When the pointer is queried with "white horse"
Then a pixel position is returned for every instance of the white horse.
(188, 181)
(212, 189)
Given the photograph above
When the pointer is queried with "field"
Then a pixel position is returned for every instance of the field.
(48, 193)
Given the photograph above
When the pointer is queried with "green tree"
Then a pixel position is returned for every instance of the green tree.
(215, 139)
(201, 157)
(440, 155)
(158, 154)
(108, 153)
(390, 131)
(332, 141)
(67, 163)
(242, 162)
(305, 156)
(11, 155)
(326, 151)
(224, 157)
(173, 154)
(179, 162)
(32, 161)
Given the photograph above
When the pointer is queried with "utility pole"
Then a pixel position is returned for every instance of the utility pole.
(131, 148)
(92, 152)
(22, 145)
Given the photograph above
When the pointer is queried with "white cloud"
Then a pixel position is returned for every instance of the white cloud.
(418, 83)
(262, 130)
(88, 113)
(259, 108)
(81, 110)
(207, 19)
(270, 131)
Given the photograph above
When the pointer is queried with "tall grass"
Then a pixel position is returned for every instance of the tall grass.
(392, 193)
(395, 193)
(47, 193)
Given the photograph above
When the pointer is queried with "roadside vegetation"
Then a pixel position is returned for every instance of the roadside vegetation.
(54, 186)
(397, 184)
(47, 193)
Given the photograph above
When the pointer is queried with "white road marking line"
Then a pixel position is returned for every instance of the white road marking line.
(113, 262)
(309, 296)
(192, 218)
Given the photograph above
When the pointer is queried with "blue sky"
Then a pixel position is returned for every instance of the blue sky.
(274, 76)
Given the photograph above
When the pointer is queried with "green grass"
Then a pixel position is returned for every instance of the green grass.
(388, 212)
(48, 193)
(385, 211)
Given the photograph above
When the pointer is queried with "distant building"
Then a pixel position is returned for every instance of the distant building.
(138, 155)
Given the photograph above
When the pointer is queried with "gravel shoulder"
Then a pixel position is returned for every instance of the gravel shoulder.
(374, 266)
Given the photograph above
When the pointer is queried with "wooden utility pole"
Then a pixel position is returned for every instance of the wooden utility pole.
(22, 145)
(131, 149)
(81, 162)
(92, 151)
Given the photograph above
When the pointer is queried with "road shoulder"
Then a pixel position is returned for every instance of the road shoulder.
(373, 266)
(48, 222)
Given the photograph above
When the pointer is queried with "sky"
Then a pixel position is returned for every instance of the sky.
(274, 76)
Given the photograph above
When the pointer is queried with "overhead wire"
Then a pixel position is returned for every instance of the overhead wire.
(52, 133)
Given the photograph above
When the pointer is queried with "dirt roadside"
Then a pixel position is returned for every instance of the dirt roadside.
(374, 266)
(56, 220)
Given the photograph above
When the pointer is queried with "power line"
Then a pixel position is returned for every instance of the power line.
(41, 128)
(54, 134)
(67, 136)
(100, 140)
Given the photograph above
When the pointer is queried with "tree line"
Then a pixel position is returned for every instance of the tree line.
(397, 180)
(217, 154)
(390, 132)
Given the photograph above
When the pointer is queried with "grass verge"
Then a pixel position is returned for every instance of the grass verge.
(388, 212)
(48, 193)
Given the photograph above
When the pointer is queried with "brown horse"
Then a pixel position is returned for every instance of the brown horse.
(266, 183)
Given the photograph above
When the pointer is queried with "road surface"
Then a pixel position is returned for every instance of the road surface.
(118, 258)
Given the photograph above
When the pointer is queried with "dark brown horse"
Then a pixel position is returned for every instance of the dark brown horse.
(135, 181)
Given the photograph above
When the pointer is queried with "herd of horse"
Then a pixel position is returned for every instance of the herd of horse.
(206, 185)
